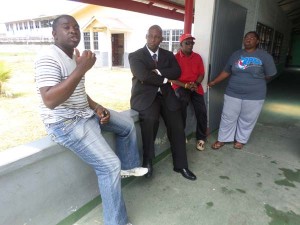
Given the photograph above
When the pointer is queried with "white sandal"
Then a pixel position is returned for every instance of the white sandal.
(200, 145)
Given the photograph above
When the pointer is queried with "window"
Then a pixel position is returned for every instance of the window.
(25, 25)
(176, 34)
(51, 22)
(87, 40)
(266, 36)
(166, 35)
(96, 45)
(45, 23)
(278, 39)
(166, 38)
(175, 40)
(37, 24)
(20, 26)
(31, 25)
(171, 40)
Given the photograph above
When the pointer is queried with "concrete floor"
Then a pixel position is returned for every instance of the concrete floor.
(259, 185)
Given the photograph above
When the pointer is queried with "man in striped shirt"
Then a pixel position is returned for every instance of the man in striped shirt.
(72, 119)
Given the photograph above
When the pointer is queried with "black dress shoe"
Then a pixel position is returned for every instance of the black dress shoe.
(148, 164)
(185, 172)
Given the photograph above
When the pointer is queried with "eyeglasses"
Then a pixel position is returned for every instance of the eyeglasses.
(189, 43)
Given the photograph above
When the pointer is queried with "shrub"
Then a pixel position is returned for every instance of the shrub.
(5, 75)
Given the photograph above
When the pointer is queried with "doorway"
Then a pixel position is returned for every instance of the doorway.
(117, 42)
(228, 35)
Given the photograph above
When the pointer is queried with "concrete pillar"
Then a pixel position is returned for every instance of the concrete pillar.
(188, 16)
(203, 28)
(109, 44)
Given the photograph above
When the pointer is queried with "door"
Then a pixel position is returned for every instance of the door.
(117, 49)
(228, 32)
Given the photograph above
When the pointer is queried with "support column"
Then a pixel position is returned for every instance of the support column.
(109, 48)
(203, 28)
(188, 16)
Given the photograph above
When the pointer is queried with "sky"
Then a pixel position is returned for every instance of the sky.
(24, 9)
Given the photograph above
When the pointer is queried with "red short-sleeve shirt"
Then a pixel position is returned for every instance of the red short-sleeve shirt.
(191, 68)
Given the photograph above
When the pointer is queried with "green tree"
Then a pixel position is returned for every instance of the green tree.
(5, 75)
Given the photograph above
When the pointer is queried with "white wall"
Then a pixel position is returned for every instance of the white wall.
(264, 11)
(268, 13)
(137, 24)
(252, 7)
(203, 27)
(42, 183)
(271, 15)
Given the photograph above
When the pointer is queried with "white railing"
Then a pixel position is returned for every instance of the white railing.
(22, 40)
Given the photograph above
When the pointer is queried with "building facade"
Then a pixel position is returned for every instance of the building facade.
(111, 33)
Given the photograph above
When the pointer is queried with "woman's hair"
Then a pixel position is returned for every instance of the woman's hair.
(253, 32)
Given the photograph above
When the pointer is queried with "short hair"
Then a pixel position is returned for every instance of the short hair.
(253, 32)
(55, 21)
(155, 27)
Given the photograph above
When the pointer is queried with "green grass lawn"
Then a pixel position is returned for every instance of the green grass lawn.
(20, 121)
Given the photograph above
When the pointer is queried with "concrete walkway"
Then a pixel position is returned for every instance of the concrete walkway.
(259, 185)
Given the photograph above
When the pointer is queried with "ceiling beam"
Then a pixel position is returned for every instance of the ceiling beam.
(283, 3)
(139, 7)
(169, 4)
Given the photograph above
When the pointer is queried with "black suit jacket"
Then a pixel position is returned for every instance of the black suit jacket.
(145, 82)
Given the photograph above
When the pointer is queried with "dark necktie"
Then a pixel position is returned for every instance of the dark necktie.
(154, 57)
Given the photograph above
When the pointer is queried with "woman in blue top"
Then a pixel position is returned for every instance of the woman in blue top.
(248, 68)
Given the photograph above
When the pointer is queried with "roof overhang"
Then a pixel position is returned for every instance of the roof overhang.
(101, 24)
(166, 9)
(175, 9)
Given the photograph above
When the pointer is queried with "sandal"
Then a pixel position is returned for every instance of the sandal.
(200, 145)
(217, 145)
(238, 145)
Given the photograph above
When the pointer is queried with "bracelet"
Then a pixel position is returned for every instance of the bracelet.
(185, 86)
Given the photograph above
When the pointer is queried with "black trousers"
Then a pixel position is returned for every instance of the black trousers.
(197, 100)
(149, 121)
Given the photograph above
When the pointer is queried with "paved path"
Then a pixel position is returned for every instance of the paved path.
(259, 185)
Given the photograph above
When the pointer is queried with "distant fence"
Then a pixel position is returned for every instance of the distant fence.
(26, 40)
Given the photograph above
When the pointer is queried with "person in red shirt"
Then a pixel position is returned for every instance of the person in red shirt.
(188, 87)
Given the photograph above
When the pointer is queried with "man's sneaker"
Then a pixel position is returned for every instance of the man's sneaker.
(200, 145)
(137, 172)
(129, 224)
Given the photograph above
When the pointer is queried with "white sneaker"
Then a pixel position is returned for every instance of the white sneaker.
(137, 172)
(200, 145)
(129, 224)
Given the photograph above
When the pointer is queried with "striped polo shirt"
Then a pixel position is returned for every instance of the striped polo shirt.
(53, 66)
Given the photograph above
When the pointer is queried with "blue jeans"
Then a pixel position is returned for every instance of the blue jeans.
(84, 138)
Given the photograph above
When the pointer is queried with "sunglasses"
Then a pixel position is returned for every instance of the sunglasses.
(189, 43)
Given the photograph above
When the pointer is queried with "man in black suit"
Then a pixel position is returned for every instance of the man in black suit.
(152, 95)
